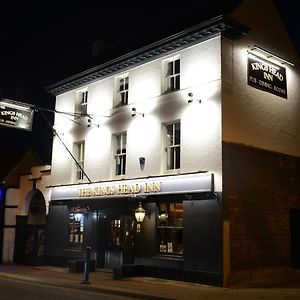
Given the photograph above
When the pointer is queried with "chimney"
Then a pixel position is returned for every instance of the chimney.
(100, 45)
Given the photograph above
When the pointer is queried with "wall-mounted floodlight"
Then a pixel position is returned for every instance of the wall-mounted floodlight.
(268, 54)
(90, 123)
(134, 113)
(192, 99)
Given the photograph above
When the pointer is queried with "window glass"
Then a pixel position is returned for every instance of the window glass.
(170, 228)
(76, 229)
(172, 146)
(115, 231)
(120, 154)
(78, 152)
(122, 91)
(173, 75)
(81, 104)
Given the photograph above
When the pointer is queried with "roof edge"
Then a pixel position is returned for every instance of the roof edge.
(187, 37)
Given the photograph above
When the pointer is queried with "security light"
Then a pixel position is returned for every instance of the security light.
(134, 113)
(191, 98)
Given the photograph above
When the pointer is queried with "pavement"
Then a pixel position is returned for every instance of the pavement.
(136, 287)
(102, 281)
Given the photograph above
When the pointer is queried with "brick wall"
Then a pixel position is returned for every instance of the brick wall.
(259, 189)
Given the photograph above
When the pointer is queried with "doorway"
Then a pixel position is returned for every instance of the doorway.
(295, 237)
(30, 236)
(115, 245)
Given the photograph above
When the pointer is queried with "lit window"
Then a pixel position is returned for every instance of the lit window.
(172, 146)
(120, 154)
(115, 232)
(78, 152)
(122, 91)
(170, 228)
(81, 103)
(172, 78)
(76, 220)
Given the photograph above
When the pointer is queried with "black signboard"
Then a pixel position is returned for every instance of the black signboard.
(15, 115)
(266, 76)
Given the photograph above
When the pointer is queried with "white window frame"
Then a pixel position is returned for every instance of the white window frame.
(122, 90)
(81, 103)
(120, 155)
(171, 147)
(78, 153)
(171, 75)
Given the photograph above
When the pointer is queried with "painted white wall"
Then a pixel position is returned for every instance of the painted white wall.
(25, 188)
(17, 197)
(8, 245)
(200, 123)
(12, 196)
(11, 199)
(251, 116)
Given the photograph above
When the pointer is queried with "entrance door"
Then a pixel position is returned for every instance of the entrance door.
(102, 238)
(129, 240)
(295, 237)
(113, 253)
(34, 251)
(115, 242)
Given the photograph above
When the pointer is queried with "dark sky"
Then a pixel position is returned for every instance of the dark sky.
(42, 43)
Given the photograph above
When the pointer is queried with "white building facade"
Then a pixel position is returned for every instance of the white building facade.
(158, 127)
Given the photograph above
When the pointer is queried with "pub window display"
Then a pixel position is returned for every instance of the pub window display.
(170, 228)
(76, 229)
(115, 231)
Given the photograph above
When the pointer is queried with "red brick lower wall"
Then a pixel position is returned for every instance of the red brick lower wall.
(259, 189)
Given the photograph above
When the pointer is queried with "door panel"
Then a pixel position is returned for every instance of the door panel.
(102, 244)
(129, 240)
(115, 241)
(295, 237)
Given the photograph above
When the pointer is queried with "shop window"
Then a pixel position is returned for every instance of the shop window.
(76, 219)
(115, 231)
(78, 152)
(172, 146)
(172, 75)
(120, 154)
(122, 91)
(81, 103)
(170, 228)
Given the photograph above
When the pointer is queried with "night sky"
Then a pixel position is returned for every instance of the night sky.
(42, 43)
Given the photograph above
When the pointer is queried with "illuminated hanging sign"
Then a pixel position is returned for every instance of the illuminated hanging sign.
(15, 115)
(188, 183)
(266, 76)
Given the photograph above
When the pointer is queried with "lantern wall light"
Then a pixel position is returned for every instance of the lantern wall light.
(140, 213)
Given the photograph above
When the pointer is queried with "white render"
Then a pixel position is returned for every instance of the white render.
(251, 116)
(17, 203)
(200, 123)
(215, 71)
(8, 245)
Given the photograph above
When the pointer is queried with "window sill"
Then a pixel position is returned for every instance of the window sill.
(171, 172)
(178, 257)
(170, 227)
